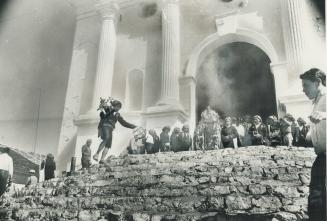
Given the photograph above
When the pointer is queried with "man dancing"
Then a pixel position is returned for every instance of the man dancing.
(109, 116)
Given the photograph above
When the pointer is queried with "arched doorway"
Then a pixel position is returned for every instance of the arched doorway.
(235, 79)
(210, 44)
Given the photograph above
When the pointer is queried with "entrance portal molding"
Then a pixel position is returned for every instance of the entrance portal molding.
(211, 43)
(214, 41)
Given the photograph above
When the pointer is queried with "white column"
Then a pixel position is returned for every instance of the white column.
(106, 53)
(295, 34)
(279, 71)
(171, 53)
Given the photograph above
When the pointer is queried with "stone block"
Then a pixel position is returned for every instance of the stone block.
(285, 216)
(269, 203)
(257, 189)
(86, 215)
(237, 203)
(286, 192)
(221, 190)
(215, 203)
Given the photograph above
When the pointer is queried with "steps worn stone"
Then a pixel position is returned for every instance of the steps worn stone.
(248, 183)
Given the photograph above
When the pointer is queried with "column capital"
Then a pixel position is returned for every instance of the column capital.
(108, 9)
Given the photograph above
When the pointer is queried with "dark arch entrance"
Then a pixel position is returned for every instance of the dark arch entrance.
(235, 79)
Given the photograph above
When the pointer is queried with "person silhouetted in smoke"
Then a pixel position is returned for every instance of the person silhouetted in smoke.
(229, 135)
(247, 137)
(258, 131)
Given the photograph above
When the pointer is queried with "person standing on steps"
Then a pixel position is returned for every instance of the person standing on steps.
(6, 170)
(49, 166)
(109, 116)
(86, 154)
(314, 87)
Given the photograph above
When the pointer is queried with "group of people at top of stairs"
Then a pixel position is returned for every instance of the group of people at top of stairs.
(286, 131)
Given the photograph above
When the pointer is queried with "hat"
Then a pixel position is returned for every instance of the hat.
(50, 155)
(32, 171)
(257, 117)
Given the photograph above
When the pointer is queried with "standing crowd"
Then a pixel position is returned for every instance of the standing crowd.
(233, 133)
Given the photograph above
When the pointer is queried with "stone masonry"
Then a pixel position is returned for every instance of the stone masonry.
(248, 183)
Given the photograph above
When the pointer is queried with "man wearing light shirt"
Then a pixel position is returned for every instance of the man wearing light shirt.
(6, 169)
(314, 87)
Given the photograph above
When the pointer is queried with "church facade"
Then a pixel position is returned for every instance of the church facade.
(151, 55)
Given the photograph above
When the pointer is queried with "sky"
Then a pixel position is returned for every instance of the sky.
(36, 40)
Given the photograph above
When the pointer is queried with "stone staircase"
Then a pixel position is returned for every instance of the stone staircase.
(248, 183)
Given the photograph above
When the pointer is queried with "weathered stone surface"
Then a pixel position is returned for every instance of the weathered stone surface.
(237, 203)
(285, 216)
(232, 184)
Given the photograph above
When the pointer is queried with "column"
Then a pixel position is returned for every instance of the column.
(295, 34)
(279, 71)
(106, 54)
(171, 53)
(84, 47)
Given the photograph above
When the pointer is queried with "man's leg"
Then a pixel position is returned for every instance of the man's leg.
(106, 134)
(3, 181)
(317, 196)
(107, 145)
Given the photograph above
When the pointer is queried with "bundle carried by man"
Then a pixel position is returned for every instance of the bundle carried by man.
(139, 133)
(105, 103)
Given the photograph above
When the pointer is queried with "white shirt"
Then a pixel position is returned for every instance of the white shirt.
(240, 130)
(318, 131)
(6, 163)
(134, 144)
(149, 138)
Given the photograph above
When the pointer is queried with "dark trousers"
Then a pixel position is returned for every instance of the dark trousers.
(86, 162)
(317, 196)
(4, 176)
(151, 148)
(107, 136)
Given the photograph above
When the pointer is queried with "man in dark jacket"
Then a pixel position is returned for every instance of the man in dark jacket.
(49, 166)
(184, 140)
(173, 139)
(229, 134)
(164, 139)
(86, 154)
(258, 131)
(108, 119)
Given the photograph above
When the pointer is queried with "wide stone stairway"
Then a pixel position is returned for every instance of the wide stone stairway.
(248, 183)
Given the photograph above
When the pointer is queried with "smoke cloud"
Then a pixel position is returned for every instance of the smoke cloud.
(236, 80)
